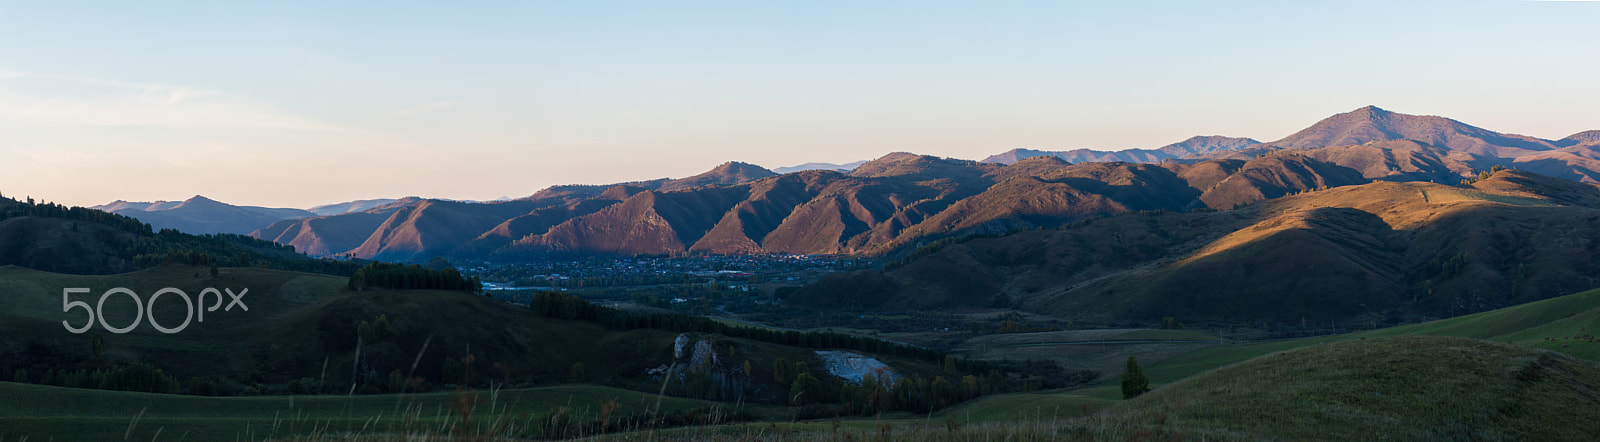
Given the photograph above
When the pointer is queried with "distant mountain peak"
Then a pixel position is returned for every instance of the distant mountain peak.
(725, 174)
(1373, 124)
(822, 166)
(201, 201)
(1585, 137)
(904, 163)
(200, 214)
(895, 157)
(1372, 110)
(1204, 144)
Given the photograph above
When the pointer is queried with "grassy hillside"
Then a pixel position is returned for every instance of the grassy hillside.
(307, 327)
(1401, 388)
(305, 334)
(1359, 386)
(1406, 388)
(1563, 324)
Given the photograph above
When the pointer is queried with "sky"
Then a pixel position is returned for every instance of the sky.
(295, 104)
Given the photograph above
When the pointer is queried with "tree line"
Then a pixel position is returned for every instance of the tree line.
(559, 305)
(131, 377)
(150, 247)
(411, 277)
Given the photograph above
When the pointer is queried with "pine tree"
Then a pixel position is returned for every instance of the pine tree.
(1133, 381)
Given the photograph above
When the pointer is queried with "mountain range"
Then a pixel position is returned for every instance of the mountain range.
(890, 203)
(201, 215)
(1370, 252)
(1194, 147)
(895, 202)
(1572, 157)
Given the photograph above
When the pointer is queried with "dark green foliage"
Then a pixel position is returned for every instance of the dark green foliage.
(52, 210)
(1482, 176)
(376, 331)
(209, 386)
(411, 277)
(150, 248)
(805, 388)
(563, 306)
(1448, 268)
(1170, 323)
(781, 372)
(397, 381)
(453, 371)
(577, 374)
(1134, 383)
(132, 377)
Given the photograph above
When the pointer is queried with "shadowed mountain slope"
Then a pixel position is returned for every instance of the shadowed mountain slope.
(350, 206)
(1341, 253)
(889, 204)
(880, 207)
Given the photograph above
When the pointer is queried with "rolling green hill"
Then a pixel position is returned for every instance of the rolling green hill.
(1526, 372)
(303, 326)
(307, 334)
(1563, 324)
(1404, 387)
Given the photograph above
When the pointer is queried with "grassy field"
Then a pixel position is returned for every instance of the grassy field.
(1557, 324)
(38, 412)
(1403, 387)
(1021, 407)
(1378, 388)
(1418, 381)
(1100, 350)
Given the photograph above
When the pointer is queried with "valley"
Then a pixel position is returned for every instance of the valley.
(1251, 284)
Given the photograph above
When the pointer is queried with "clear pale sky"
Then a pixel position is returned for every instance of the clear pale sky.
(293, 104)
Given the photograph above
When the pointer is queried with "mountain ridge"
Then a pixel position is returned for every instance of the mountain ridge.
(885, 205)
(201, 215)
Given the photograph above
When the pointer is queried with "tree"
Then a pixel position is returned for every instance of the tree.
(358, 281)
(577, 374)
(780, 372)
(806, 388)
(1133, 381)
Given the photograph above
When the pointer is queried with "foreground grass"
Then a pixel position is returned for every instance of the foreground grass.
(40, 412)
(1405, 388)
(1416, 382)
(1394, 388)
(1400, 388)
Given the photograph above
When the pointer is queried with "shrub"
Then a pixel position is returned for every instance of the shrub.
(1134, 383)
